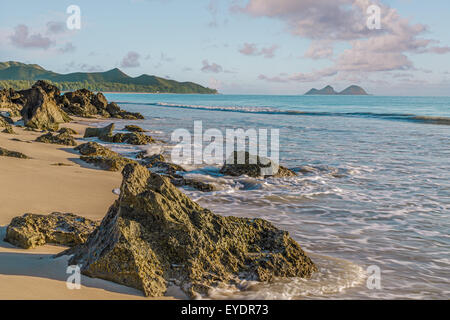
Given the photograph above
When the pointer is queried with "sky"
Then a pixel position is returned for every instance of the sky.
(242, 46)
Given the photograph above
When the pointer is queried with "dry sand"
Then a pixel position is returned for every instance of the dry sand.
(37, 185)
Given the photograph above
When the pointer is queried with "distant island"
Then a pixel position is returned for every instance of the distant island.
(21, 76)
(329, 90)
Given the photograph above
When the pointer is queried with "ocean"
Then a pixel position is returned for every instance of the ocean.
(376, 192)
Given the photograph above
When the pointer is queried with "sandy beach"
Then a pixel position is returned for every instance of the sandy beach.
(42, 185)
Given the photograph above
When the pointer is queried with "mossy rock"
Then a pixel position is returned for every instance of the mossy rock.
(133, 128)
(33, 230)
(102, 157)
(154, 236)
(68, 131)
(62, 139)
(243, 163)
(12, 154)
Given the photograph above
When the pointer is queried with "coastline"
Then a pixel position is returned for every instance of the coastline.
(38, 185)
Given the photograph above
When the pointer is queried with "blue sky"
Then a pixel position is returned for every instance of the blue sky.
(248, 46)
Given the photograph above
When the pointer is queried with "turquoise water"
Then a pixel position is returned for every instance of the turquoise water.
(377, 191)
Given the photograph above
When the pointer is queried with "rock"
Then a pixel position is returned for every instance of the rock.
(9, 100)
(63, 139)
(253, 166)
(102, 157)
(133, 128)
(196, 184)
(33, 230)
(104, 134)
(12, 154)
(40, 110)
(85, 103)
(133, 138)
(67, 130)
(154, 236)
(9, 130)
(149, 161)
(5, 121)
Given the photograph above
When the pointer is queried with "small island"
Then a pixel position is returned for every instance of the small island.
(353, 90)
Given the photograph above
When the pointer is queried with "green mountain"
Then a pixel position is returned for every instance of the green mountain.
(328, 90)
(20, 76)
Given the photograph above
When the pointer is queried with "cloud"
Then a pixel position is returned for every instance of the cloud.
(212, 68)
(131, 60)
(68, 48)
(250, 49)
(328, 22)
(22, 38)
(56, 27)
(72, 66)
(319, 50)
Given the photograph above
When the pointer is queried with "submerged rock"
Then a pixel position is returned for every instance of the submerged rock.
(242, 163)
(12, 154)
(63, 139)
(102, 157)
(154, 236)
(33, 230)
(40, 109)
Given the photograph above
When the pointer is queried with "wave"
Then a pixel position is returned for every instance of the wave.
(269, 110)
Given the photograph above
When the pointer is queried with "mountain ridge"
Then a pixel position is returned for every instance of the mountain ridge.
(14, 73)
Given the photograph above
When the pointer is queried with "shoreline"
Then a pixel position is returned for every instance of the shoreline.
(39, 185)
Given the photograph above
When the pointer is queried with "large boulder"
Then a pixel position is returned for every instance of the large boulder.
(40, 110)
(154, 236)
(243, 163)
(102, 157)
(33, 230)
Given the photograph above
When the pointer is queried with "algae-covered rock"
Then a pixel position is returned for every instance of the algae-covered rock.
(243, 163)
(154, 236)
(102, 157)
(12, 154)
(40, 110)
(133, 138)
(62, 138)
(33, 230)
(133, 128)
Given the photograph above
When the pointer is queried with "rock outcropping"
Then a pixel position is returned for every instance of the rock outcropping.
(64, 139)
(85, 103)
(40, 108)
(33, 230)
(12, 154)
(8, 100)
(102, 157)
(106, 134)
(243, 163)
(154, 236)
